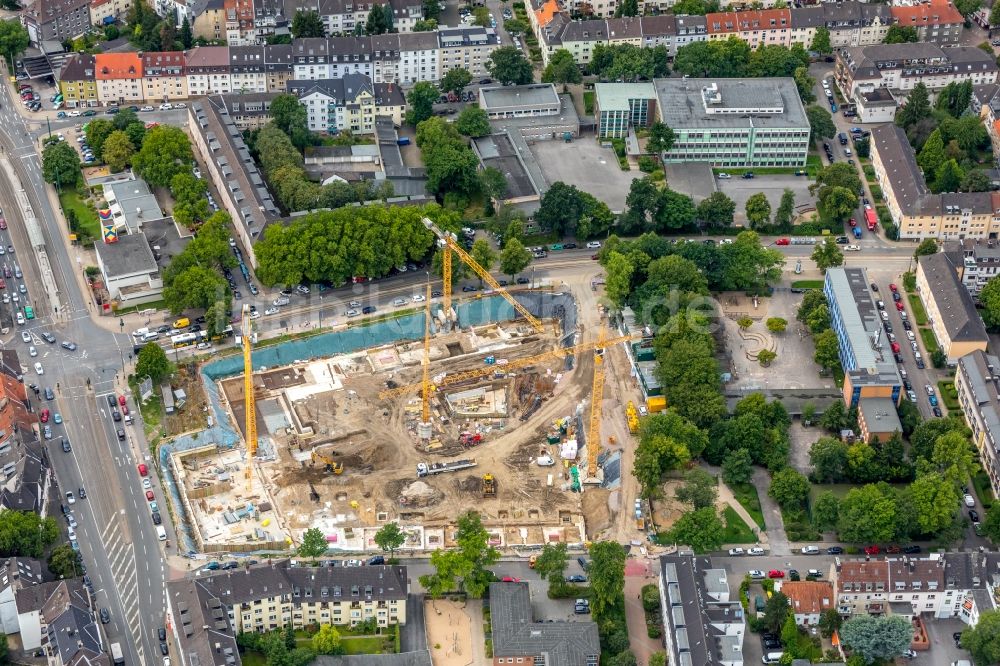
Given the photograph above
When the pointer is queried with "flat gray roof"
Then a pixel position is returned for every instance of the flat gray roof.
(683, 104)
(537, 94)
(863, 325)
(880, 415)
(615, 96)
(128, 256)
(497, 151)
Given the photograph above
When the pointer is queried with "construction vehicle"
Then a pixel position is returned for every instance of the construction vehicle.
(250, 404)
(489, 486)
(332, 465)
(448, 244)
(513, 364)
(632, 416)
(429, 469)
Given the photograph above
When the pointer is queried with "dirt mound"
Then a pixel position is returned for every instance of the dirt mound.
(469, 484)
(595, 508)
(418, 493)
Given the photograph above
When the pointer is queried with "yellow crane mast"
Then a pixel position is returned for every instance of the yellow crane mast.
(514, 364)
(596, 400)
(249, 403)
(426, 361)
(449, 244)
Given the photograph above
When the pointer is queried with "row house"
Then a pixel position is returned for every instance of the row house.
(978, 260)
(119, 77)
(163, 76)
(342, 17)
(240, 26)
(466, 47)
(759, 27)
(849, 23)
(900, 67)
(103, 12)
(210, 23)
(260, 68)
(77, 81)
(937, 21)
(581, 37)
(208, 71)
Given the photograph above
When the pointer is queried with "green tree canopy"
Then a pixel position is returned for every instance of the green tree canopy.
(313, 544)
(715, 210)
(820, 122)
(701, 529)
(827, 255)
(877, 638)
(61, 164)
(455, 80)
(390, 538)
(165, 152)
(821, 41)
(561, 68)
(473, 122)
(508, 66)
(421, 100)
(514, 257)
(758, 210)
(117, 151)
(789, 488)
(152, 362)
(307, 24)
(899, 34)
(14, 40)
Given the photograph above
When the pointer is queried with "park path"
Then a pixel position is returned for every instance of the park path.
(637, 574)
(776, 536)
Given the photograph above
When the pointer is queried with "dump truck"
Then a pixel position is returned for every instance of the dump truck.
(428, 469)
(489, 486)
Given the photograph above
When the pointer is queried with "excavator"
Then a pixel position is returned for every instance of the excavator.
(332, 465)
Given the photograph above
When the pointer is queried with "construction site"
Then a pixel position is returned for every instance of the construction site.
(508, 418)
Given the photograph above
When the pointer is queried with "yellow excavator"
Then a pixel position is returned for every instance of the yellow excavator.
(332, 465)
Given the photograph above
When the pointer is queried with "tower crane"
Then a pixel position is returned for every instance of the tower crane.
(449, 244)
(249, 402)
(425, 382)
(596, 400)
(514, 364)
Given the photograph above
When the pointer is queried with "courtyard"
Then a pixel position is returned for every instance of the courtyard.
(587, 165)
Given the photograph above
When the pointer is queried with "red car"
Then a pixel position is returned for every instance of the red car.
(3, 285)
(121, 400)
(3, 223)
(149, 496)
(782, 241)
(893, 288)
(44, 416)
(143, 471)
(125, 410)
(871, 550)
(853, 222)
(893, 550)
(775, 573)
(510, 579)
(899, 305)
(895, 347)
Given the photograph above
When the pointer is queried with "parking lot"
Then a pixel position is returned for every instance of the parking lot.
(773, 186)
(587, 165)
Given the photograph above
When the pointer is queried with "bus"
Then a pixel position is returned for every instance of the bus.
(226, 333)
(871, 218)
(185, 340)
(29, 313)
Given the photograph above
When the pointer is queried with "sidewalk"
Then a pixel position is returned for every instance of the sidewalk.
(726, 497)
(772, 514)
(635, 617)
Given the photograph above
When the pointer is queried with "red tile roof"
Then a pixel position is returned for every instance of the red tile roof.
(936, 12)
(758, 19)
(808, 597)
(117, 66)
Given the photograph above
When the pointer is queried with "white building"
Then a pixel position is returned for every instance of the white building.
(131, 274)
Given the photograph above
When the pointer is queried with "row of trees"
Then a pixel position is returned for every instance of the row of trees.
(193, 280)
(115, 141)
(836, 189)
(733, 58)
(565, 209)
(814, 313)
(627, 62)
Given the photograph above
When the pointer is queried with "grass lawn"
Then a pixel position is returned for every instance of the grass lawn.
(588, 102)
(737, 531)
(366, 645)
(85, 215)
(917, 309)
(930, 342)
(948, 395)
(746, 495)
(807, 284)
(252, 658)
(155, 305)
(981, 482)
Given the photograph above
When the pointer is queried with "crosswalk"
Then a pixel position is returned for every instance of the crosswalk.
(121, 556)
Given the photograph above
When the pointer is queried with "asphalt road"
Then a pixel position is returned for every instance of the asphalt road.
(117, 540)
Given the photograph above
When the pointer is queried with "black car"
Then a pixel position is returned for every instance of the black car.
(116, 415)
(163, 329)
(576, 578)
(470, 287)
(974, 515)
(66, 446)
(834, 550)
(957, 636)
(105, 616)
(887, 326)
(937, 412)
(201, 319)
(874, 287)
(748, 175)
(899, 359)
(112, 111)
(569, 246)
(842, 240)
(485, 81)
(771, 643)
(156, 519)
(230, 565)
(907, 385)
(907, 325)
(111, 401)
(376, 560)
(163, 649)
(161, 633)
(921, 364)
(368, 309)
(522, 280)
(82, 493)
(436, 294)
(896, 297)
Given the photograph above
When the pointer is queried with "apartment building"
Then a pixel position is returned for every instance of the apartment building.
(77, 82)
(338, 105)
(15, 417)
(703, 620)
(850, 23)
(937, 586)
(208, 71)
(163, 76)
(468, 47)
(952, 314)
(807, 599)
(734, 122)
(119, 77)
(756, 27)
(55, 19)
(210, 23)
(900, 67)
(977, 261)
(915, 210)
(249, 111)
(103, 12)
(977, 381)
(937, 21)
(869, 368)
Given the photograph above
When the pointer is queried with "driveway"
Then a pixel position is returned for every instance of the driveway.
(943, 649)
(413, 635)
(776, 536)
(635, 617)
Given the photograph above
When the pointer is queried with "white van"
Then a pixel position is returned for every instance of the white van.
(772, 657)
(161, 533)
(149, 337)
(140, 332)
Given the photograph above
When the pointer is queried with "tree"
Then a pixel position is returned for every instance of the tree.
(326, 640)
(789, 488)
(514, 258)
(989, 298)
(552, 561)
(954, 98)
(786, 211)
(152, 362)
(290, 116)
(307, 24)
(933, 499)
(431, 9)
(805, 85)
(493, 183)
(766, 357)
(455, 80)
(313, 543)
(165, 151)
(926, 247)
(389, 538)
(475, 554)
(821, 41)
(61, 164)
(561, 68)
(14, 40)
(737, 467)
(837, 203)
(473, 122)
(758, 210)
(825, 511)
(899, 34)
(948, 177)
(117, 151)
(827, 254)
(820, 122)
(667, 441)
(481, 16)
(994, 16)
(26, 534)
(776, 612)
(983, 640)
(917, 107)
(607, 577)
(700, 489)
(869, 514)
(828, 457)
(64, 562)
(661, 139)
(715, 210)
(627, 8)
(877, 638)
(186, 35)
(954, 456)
(976, 180)
(508, 66)
(483, 254)
(776, 324)
(421, 100)
(516, 26)
(618, 283)
(701, 529)
(969, 7)
(830, 621)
